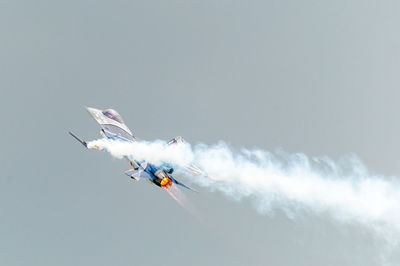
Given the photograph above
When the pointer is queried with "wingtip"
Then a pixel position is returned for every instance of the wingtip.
(91, 109)
(78, 139)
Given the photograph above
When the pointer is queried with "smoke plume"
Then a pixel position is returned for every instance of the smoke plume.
(343, 190)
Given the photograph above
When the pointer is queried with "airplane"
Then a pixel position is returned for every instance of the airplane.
(114, 128)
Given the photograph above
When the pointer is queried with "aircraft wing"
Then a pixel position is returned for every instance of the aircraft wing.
(191, 168)
(112, 125)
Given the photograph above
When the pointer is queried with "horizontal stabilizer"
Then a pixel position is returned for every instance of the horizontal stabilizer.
(137, 173)
(182, 185)
(194, 169)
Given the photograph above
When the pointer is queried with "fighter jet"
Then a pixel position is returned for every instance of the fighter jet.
(114, 128)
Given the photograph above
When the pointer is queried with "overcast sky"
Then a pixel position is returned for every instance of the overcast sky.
(318, 77)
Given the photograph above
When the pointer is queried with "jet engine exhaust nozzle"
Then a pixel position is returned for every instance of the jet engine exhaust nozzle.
(166, 182)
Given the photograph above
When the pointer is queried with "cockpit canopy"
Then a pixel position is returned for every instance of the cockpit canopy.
(112, 114)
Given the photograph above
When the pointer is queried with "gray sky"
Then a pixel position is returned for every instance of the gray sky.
(319, 77)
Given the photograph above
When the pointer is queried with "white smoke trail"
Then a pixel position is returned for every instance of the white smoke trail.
(345, 190)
